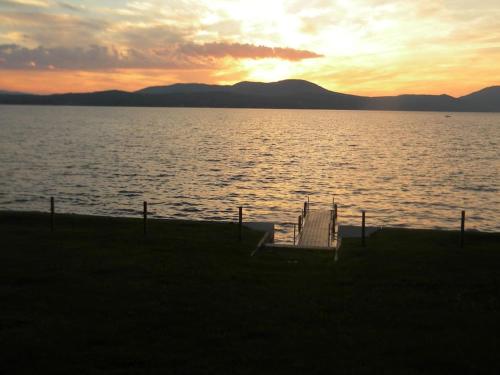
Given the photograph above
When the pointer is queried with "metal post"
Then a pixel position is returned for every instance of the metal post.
(305, 209)
(334, 222)
(294, 234)
(335, 208)
(145, 215)
(300, 223)
(240, 222)
(462, 230)
(363, 242)
(329, 233)
(52, 214)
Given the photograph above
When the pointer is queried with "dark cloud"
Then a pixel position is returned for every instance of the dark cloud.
(68, 6)
(179, 56)
(92, 58)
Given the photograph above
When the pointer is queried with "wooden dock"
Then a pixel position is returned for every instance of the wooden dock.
(317, 230)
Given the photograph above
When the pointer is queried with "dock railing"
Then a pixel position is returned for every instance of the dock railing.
(332, 238)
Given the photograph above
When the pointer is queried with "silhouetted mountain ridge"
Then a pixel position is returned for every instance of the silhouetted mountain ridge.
(487, 99)
(7, 92)
(182, 88)
(291, 93)
(288, 87)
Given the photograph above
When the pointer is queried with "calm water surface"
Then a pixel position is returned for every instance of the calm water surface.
(416, 169)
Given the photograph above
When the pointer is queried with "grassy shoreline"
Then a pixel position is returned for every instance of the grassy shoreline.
(96, 296)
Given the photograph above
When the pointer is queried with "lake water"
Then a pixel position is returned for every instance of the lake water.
(414, 169)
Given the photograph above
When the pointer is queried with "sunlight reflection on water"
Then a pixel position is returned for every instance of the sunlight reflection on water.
(416, 169)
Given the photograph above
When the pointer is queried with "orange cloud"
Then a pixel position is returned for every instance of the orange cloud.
(242, 51)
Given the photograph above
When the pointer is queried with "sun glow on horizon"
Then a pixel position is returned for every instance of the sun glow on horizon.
(267, 70)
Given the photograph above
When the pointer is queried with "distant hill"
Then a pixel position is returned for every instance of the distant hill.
(487, 99)
(182, 88)
(291, 93)
(415, 103)
(5, 92)
(280, 88)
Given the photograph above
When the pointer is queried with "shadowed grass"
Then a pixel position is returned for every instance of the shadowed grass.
(97, 297)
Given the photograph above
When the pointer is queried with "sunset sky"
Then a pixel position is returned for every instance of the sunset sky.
(366, 47)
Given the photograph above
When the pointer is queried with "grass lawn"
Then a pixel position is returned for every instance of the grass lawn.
(96, 297)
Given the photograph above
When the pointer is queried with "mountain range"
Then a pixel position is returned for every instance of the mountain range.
(291, 93)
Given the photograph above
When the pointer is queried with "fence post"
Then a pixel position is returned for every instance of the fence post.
(305, 209)
(145, 215)
(300, 223)
(329, 233)
(293, 234)
(52, 214)
(240, 222)
(363, 242)
(334, 221)
(462, 230)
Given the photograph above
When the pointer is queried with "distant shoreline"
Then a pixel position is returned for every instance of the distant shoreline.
(269, 108)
